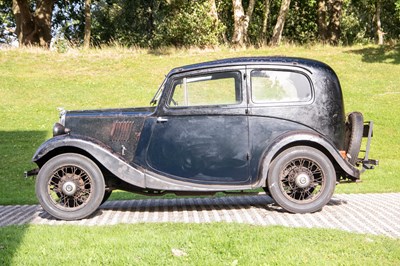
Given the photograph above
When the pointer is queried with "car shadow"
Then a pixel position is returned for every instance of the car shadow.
(213, 206)
(16, 151)
(382, 54)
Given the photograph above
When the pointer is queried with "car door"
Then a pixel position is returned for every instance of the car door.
(200, 133)
(280, 101)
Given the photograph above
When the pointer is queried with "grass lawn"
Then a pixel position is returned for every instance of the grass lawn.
(191, 244)
(34, 83)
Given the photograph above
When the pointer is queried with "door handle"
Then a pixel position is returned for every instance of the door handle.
(161, 120)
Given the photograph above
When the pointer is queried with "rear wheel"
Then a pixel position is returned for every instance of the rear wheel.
(70, 186)
(301, 179)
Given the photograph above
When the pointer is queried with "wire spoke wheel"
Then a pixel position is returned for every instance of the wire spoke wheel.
(301, 179)
(70, 187)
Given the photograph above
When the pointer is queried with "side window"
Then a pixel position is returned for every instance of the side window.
(211, 89)
(271, 86)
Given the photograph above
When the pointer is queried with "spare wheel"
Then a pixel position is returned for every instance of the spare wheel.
(354, 134)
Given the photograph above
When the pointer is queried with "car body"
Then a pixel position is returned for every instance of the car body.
(235, 124)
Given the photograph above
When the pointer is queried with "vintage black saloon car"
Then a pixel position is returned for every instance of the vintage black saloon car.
(237, 124)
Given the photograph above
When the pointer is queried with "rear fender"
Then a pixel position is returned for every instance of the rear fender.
(305, 138)
(98, 150)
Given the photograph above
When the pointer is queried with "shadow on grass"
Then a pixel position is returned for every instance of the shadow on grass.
(10, 240)
(379, 54)
(16, 151)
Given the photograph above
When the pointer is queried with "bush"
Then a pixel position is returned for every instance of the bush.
(190, 25)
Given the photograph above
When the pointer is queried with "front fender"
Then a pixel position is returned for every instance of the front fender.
(303, 138)
(98, 150)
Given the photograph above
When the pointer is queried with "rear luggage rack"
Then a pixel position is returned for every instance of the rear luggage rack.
(367, 163)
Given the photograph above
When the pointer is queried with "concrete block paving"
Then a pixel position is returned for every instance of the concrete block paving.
(377, 214)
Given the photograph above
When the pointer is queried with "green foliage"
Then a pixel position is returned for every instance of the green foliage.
(68, 22)
(398, 8)
(189, 25)
(161, 23)
(301, 26)
(129, 23)
(185, 23)
(6, 22)
(358, 21)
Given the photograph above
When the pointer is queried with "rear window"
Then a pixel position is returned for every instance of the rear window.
(272, 86)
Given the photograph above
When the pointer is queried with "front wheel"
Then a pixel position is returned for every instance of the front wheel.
(301, 179)
(70, 186)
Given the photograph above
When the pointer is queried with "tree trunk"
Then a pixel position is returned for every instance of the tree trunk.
(334, 22)
(265, 20)
(321, 21)
(33, 28)
(213, 10)
(379, 32)
(214, 16)
(239, 19)
(23, 20)
(249, 14)
(280, 23)
(88, 25)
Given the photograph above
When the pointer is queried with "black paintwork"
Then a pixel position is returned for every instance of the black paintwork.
(210, 147)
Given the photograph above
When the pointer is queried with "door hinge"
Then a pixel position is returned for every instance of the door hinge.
(246, 111)
(248, 156)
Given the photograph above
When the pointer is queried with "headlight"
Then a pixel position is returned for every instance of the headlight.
(58, 129)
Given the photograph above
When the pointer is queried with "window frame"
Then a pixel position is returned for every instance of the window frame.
(197, 74)
(252, 102)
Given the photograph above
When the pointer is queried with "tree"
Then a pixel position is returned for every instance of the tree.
(334, 30)
(280, 23)
(249, 15)
(321, 21)
(88, 25)
(379, 32)
(6, 22)
(397, 4)
(241, 21)
(267, 5)
(213, 10)
(33, 27)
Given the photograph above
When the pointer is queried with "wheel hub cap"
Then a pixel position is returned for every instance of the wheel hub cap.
(303, 180)
(69, 188)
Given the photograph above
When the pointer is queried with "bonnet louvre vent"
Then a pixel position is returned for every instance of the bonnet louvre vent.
(121, 130)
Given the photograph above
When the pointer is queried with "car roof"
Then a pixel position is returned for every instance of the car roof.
(260, 60)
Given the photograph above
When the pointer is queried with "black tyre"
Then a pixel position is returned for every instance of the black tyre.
(70, 186)
(354, 134)
(301, 179)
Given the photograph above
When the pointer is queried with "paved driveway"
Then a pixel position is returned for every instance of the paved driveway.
(377, 214)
